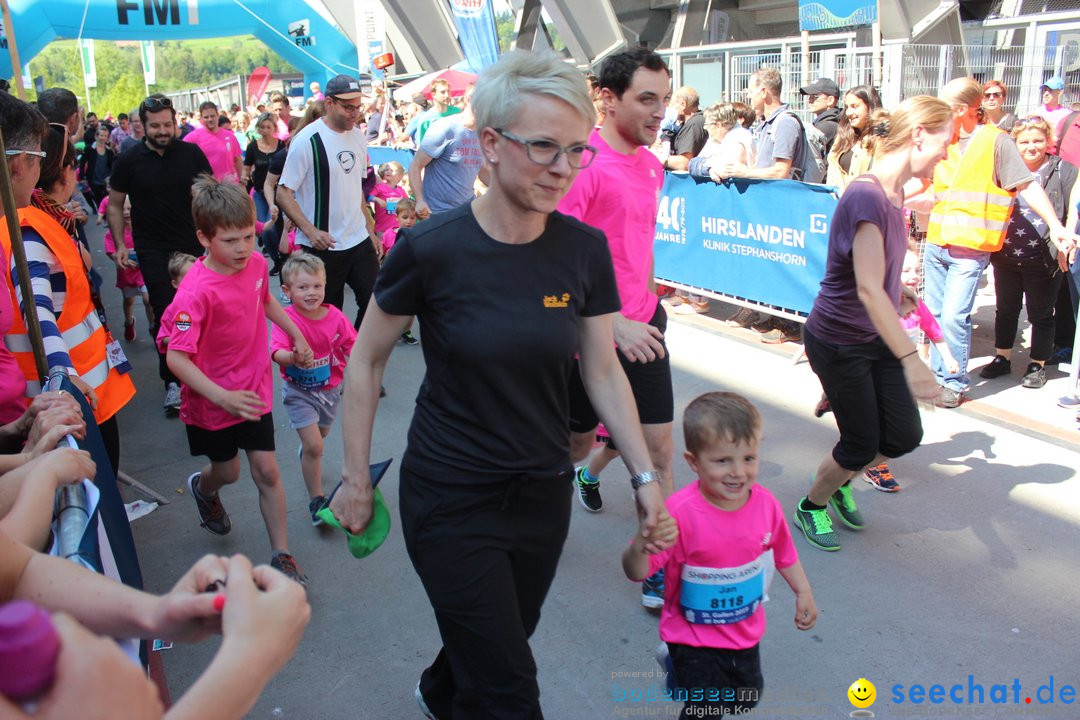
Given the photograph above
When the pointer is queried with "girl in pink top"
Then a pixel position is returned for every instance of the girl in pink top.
(128, 275)
(386, 196)
(732, 535)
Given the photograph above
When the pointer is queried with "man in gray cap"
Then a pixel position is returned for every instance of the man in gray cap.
(822, 98)
(321, 191)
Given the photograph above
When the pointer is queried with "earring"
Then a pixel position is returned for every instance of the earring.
(493, 161)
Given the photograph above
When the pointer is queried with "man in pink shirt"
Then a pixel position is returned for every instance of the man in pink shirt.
(219, 145)
(619, 193)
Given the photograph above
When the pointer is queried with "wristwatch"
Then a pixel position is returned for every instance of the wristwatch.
(644, 478)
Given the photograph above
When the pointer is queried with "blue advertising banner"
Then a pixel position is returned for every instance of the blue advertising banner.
(475, 22)
(832, 14)
(760, 240)
(379, 154)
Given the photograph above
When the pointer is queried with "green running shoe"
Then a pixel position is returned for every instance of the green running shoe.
(816, 525)
(844, 503)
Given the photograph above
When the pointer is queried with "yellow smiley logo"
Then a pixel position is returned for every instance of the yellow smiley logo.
(862, 693)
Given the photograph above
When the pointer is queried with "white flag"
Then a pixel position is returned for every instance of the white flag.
(89, 68)
(149, 71)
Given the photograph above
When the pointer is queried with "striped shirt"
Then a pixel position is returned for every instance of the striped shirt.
(50, 290)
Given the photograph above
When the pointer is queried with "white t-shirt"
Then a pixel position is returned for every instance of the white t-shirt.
(317, 151)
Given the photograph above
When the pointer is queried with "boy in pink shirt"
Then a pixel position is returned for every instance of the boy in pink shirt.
(218, 350)
(311, 395)
(731, 534)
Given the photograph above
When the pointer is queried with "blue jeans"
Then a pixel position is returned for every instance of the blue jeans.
(951, 277)
(262, 210)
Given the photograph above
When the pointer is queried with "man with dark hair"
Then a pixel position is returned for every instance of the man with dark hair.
(218, 144)
(59, 105)
(279, 105)
(619, 193)
(137, 131)
(321, 191)
(90, 126)
(120, 133)
(157, 175)
(822, 98)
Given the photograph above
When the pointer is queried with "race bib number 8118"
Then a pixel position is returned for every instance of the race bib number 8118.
(721, 596)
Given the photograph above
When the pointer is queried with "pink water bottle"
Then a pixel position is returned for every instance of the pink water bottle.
(29, 646)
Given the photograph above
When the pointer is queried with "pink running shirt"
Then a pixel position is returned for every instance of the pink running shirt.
(619, 194)
(714, 540)
(331, 340)
(220, 322)
(220, 148)
(386, 217)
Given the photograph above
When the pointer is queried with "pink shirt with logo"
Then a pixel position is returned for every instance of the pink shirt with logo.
(717, 540)
(331, 339)
(619, 194)
(386, 217)
(220, 322)
(220, 148)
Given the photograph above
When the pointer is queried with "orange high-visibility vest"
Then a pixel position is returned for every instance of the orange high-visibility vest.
(970, 209)
(78, 322)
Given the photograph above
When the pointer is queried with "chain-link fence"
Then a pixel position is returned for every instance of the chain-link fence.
(1022, 69)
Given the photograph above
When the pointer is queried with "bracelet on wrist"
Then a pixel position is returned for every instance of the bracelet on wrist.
(644, 478)
(904, 357)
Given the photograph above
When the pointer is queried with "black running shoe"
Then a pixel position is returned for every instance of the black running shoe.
(588, 492)
(212, 515)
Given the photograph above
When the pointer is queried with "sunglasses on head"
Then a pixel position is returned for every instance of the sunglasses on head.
(1031, 120)
(154, 104)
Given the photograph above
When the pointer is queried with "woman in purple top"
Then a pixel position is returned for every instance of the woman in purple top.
(867, 365)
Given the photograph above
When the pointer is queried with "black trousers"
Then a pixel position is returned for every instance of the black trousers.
(717, 681)
(870, 399)
(486, 554)
(355, 267)
(154, 263)
(1032, 284)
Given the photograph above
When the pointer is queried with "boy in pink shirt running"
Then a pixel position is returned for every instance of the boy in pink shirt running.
(311, 395)
(732, 533)
(218, 350)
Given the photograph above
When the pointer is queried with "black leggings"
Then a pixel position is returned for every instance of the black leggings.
(870, 399)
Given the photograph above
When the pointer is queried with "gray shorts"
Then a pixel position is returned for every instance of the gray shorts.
(307, 407)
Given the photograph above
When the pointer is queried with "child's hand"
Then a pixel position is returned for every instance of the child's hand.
(806, 611)
(243, 403)
(665, 534)
(952, 367)
(302, 355)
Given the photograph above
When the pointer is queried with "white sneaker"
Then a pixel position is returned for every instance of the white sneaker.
(423, 705)
(172, 400)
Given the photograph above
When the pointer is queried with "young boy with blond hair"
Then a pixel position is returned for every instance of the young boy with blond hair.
(311, 395)
(218, 350)
(732, 533)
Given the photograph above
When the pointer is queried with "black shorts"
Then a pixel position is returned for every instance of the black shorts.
(716, 681)
(224, 444)
(870, 400)
(650, 384)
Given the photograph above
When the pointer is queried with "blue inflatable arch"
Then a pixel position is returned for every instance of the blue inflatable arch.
(291, 28)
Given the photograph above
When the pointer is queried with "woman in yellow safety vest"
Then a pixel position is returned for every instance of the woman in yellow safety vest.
(970, 205)
(74, 336)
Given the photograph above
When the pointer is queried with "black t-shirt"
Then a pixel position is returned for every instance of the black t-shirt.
(501, 326)
(160, 190)
(260, 162)
(691, 137)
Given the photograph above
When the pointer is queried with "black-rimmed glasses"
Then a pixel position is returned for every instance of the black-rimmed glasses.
(546, 152)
